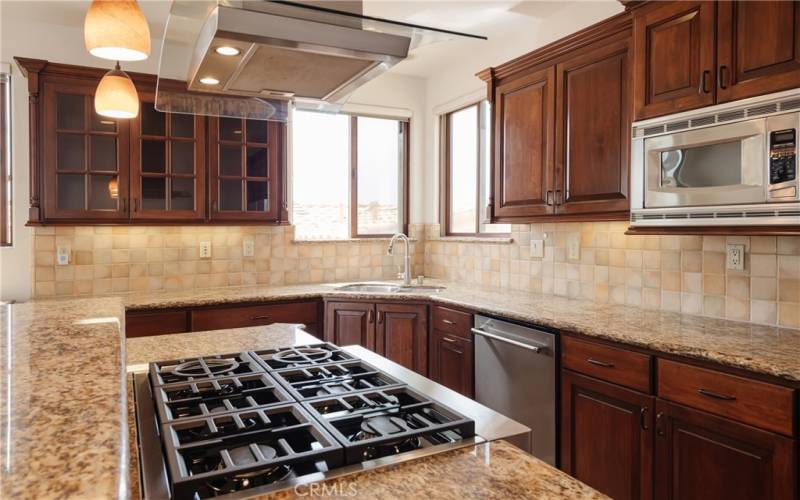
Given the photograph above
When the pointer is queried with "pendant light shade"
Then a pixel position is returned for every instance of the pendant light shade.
(116, 30)
(116, 95)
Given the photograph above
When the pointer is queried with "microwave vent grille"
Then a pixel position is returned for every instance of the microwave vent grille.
(760, 214)
(701, 215)
(671, 127)
(788, 105)
(729, 215)
(676, 216)
(730, 115)
(703, 120)
(763, 110)
(660, 129)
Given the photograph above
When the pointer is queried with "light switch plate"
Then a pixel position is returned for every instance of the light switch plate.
(205, 249)
(248, 247)
(62, 255)
(735, 257)
(537, 249)
(574, 246)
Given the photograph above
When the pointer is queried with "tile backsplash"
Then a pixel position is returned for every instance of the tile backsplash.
(675, 273)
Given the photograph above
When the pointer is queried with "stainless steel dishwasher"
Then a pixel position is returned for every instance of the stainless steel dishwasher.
(515, 374)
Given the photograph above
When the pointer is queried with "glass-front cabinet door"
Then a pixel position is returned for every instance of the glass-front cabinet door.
(244, 157)
(85, 156)
(167, 164)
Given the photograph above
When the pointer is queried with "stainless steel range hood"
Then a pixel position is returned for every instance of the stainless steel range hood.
(278, 52)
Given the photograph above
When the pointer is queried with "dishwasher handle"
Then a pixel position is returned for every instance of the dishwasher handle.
(536, 349)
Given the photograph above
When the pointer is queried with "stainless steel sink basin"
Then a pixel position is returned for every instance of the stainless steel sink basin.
(388, 288)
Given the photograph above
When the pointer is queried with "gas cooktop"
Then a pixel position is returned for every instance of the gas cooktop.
(259, 421)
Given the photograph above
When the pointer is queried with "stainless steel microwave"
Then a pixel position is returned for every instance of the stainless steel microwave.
(731, 164)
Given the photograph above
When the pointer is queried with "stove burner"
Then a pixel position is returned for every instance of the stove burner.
(301, 356)
(244, 456)
(331, 389)
(382, 425)
(194, 368)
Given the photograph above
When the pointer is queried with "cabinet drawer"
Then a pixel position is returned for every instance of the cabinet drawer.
(619, 366)
(236, 317)
(753, 402)
(452, 321)
(144, 324)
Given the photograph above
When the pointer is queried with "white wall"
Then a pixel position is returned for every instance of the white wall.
(457, 81)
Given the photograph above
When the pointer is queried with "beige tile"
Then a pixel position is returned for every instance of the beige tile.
(651, 298)
(738, 287)
(789, 245)
(670, 281)
(691, 303)
(714, 284)
(670, 261)
(671, 301)
(789, 290)
(714, 306)
(763, 288)
(692, 283)
(763, 244)
(714, 262)
(45, 273)
(789, 314)
(713, 243)
(691, 242)
(764, 312)
(691, 262)
(737, 309)
(763, 265)
(789, 266)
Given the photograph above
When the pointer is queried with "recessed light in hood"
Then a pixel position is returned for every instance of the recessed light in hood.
(271, 52)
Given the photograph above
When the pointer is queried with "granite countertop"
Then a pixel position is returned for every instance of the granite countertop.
(757, 348)
(62, 400)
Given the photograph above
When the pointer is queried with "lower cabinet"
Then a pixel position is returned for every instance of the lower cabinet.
(147, 323)
(606, 436)
(702, 456)
(451, 362)
(394, 330)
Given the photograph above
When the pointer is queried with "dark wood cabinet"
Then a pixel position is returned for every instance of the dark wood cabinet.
(245, 176)
(674, 57)
(451, 362)
(701, 456)
(593, 131)
(758, 48)
(85, 155)
(523, 145)
(167, 164)
(606, 436)
(148, 323)
(215, 318)
(348, 323)
(401, 335)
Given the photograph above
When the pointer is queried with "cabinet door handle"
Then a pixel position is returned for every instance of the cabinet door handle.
(448, 322)
(716, 395)
(659, 426)
(597, 362)
(548, 198)
(136, 204)
(123, 202)
(643, 418)
(380, 317)
(558, 198)
(263, 316)
(721, 76)
(369, 316)
(449, 340)
(704, 81)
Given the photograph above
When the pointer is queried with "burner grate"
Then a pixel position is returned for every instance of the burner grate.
(334, 378)
(293, 357)
(206, 367)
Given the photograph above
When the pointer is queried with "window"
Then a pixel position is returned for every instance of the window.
(5, 159)
(349, 175)
(466, 177)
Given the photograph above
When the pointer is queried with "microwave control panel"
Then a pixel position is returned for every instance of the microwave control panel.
(782, 163)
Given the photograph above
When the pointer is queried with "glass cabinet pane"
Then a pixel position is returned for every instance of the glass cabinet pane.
(103, 153)
(256, 162)
(257, 131)
(70, 111)
(154, 157)
(71, 191)
(154, 193)
(182, 125)
(230, 195)
(103, 124)
(153, 122)
(230, 129)
(230, 160)
(182, 157)
(182, 194)
(70, 152)
(100, 193)
(257, 200)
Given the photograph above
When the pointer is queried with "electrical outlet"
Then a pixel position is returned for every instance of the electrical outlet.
(574, 246)
(62, 255)
(205, 249)
(537, 249)
(735, 257)
(248, 247)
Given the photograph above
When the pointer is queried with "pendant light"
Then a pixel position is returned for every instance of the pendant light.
(116, 95)
(116, 30)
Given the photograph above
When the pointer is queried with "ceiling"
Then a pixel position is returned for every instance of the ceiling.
(490, 18)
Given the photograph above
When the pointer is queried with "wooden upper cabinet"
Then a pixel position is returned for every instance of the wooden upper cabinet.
(85, 155)
(523, 146)
(167, 164)
(593, 131)
(758, 48)
(244, 158)
(402, 334)
(674, 58)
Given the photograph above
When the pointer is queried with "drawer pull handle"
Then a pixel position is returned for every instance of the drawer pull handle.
(447, 339)
(253, 318)
(448, 322)
(716, 395)
(597, 362)
(643, 418)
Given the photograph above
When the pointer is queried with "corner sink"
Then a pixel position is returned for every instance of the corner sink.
(388, 288)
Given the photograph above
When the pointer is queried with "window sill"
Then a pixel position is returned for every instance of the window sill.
(346, 240)
(503, 240)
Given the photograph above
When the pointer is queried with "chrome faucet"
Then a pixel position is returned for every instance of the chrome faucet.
(390, 251)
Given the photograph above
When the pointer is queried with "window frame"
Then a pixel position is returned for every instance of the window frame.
(6, 175)
(481, 214)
